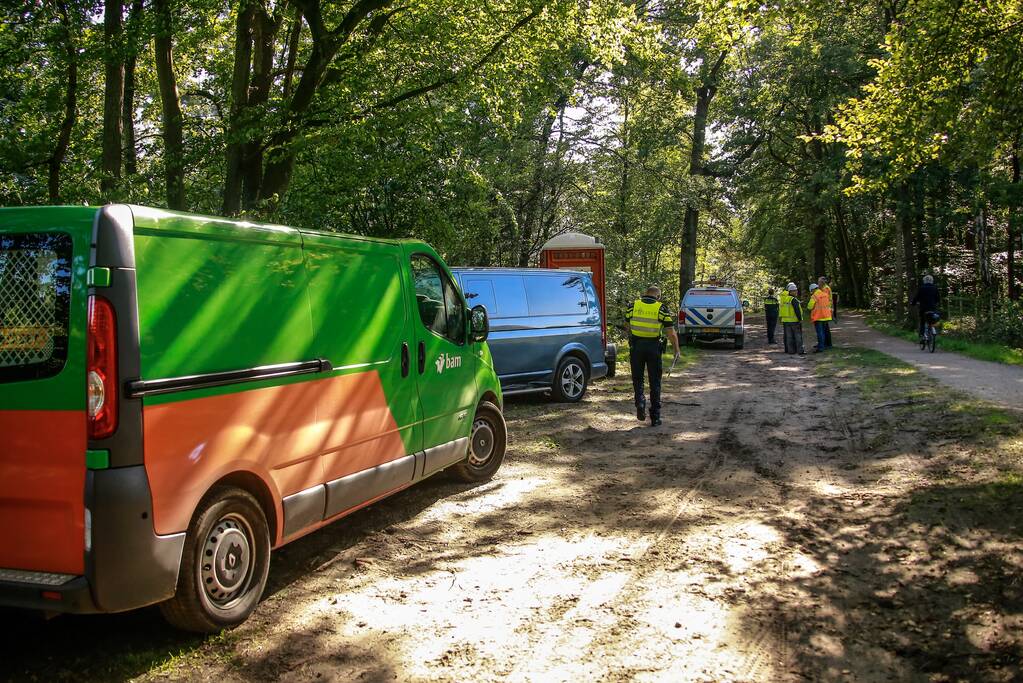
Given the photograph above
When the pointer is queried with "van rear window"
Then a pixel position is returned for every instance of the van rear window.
(35, 299)
(555, 295)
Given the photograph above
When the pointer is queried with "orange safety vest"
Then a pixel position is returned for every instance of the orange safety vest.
(820, 308)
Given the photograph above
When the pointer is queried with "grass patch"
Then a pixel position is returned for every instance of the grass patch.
(950, 340)
(889, 383)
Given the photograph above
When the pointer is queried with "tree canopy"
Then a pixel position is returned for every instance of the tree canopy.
(872, 141)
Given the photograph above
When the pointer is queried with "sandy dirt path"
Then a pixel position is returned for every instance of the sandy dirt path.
(993, 382)
(782, 525)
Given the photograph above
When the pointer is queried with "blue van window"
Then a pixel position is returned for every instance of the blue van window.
(480, 292)
(510, 296)
(556, 295)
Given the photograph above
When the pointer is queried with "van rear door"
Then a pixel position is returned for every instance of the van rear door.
(44, 253)
(708, 310)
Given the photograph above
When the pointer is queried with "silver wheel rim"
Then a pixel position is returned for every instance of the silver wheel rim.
(225, 567)
(481, 444)
(573, 380)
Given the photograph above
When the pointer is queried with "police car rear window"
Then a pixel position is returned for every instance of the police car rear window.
(709, 298)
(35, 298)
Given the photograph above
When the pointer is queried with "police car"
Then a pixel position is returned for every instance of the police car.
(711, 311)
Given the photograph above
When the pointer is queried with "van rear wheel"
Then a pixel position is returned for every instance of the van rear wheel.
(224, 564)
(487, 445)
(570, 380)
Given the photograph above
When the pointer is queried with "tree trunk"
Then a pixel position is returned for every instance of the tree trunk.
(239, 101)
(281, 161)
(906, 232)
(845, 259)
(289, 66)
(70, 105)
(173, 143)
(128, 107)
(113, 97)
(531, 205)
(264, 34)
(1013, 229)
(691, 223)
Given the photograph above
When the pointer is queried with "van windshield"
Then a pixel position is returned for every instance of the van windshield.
(709, 298)
(35, 298)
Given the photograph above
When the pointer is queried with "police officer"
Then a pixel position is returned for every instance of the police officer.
(771, 313)
(791, 314)
(645, 323)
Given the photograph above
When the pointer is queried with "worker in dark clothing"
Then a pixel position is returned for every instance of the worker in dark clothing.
(771, 313)
(927, 299)
(646, 322)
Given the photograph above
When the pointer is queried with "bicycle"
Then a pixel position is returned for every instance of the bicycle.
(929, 340)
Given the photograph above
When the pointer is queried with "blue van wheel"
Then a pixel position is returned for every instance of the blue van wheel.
(570, 380)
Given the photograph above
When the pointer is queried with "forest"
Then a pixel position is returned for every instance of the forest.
(873, 141)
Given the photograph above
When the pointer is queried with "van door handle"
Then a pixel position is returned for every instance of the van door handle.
(404, 359)
(422, 357)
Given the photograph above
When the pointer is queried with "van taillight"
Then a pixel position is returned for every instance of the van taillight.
(738, 317)
(102, 369)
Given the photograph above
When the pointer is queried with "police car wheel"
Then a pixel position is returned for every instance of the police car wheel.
(570, 380)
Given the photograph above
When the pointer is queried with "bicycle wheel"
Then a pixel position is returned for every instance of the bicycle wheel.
(932, 340)
(923, 340)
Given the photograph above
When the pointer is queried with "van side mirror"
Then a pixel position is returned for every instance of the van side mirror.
(479, 324)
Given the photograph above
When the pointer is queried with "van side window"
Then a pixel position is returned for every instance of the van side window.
(556, 295)
(479, 292)
(440, 307)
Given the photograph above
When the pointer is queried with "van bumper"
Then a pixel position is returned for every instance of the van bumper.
(36, 591)
(127, 565)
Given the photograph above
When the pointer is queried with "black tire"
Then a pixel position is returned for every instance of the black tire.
(570, 380)
(612, 365)
(740, 341)
(487, 444)
(231, 528)
(932, 342)
(685, 340)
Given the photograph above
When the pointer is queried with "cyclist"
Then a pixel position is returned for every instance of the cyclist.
(927, 298)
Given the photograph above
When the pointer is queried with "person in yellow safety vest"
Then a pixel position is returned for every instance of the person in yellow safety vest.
(822, 282)
(646, 322)
(790, 312)
(819, 306)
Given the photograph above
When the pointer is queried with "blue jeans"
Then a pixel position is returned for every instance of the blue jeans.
(821, 328)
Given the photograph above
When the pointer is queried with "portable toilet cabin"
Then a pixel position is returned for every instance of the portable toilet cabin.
(576, 251)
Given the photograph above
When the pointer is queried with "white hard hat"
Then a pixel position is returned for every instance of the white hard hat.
(813, 286)
(790, 286)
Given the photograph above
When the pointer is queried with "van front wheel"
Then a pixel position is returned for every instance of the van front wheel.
(570, 380)
(487, 443)
(224, 564)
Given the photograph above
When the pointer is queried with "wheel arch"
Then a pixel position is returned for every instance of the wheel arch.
(577, 350)
(253, 484)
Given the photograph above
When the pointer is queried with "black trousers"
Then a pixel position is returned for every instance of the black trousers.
(645, 356)
(772, 324)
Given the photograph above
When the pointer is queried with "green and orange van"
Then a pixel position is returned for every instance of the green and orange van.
(180, 394)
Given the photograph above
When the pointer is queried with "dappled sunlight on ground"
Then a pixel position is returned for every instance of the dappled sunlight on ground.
(825, 519)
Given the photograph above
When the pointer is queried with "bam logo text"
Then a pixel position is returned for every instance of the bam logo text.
(445, 360)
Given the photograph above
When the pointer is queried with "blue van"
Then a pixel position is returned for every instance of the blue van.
(545, 328)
